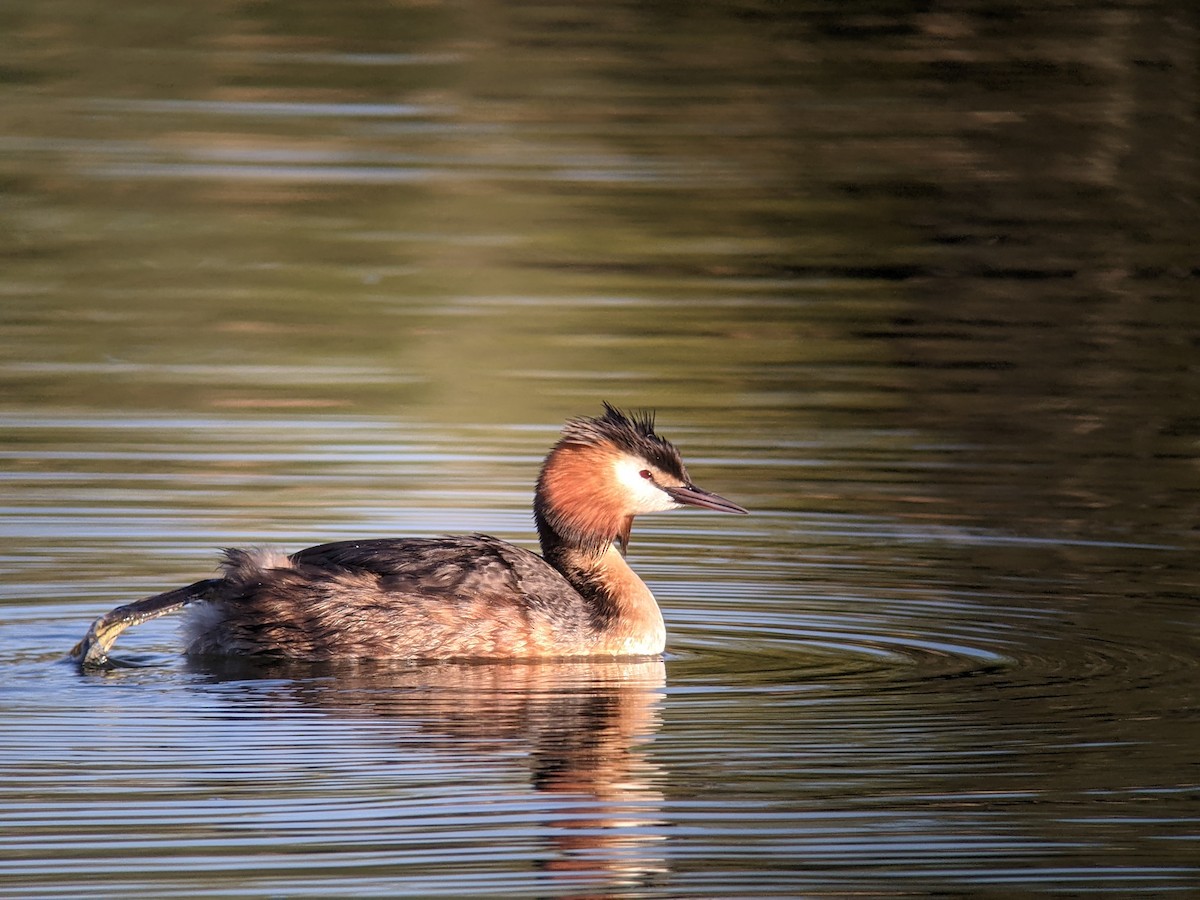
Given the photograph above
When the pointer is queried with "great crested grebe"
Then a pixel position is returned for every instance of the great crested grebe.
(455, 597)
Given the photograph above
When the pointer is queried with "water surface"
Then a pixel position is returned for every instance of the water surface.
(916, 287)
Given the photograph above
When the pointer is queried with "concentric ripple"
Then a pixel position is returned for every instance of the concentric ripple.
(845, 702)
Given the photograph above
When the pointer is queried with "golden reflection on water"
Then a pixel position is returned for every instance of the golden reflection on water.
(579, 727)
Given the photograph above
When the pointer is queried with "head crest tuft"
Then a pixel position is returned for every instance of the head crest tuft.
(631, 432)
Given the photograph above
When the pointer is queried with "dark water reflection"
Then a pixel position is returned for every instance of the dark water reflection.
(916, 285)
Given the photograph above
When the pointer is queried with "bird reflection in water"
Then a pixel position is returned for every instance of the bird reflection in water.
(582, 726)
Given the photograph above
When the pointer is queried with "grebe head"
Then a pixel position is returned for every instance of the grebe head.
(604, 471)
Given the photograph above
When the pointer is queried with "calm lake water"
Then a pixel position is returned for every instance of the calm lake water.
(918, 286)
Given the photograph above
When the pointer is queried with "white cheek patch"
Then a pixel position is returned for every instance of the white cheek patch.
(644, 495)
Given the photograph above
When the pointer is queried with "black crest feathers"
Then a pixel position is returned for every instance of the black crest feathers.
(631, 432)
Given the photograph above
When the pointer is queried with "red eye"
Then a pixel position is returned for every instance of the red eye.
(645, 473)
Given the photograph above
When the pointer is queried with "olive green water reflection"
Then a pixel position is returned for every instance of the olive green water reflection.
(917, 286)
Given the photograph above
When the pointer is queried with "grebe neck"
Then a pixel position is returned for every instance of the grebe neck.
(574, 555)
(624, 613)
